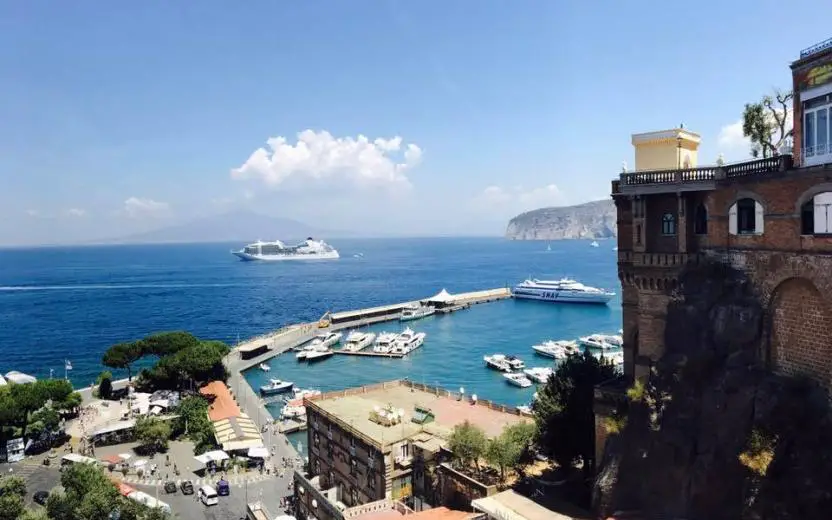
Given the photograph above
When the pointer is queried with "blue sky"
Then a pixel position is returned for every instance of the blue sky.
(118, 117)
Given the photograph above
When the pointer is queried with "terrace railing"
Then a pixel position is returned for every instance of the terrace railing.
(818, 47)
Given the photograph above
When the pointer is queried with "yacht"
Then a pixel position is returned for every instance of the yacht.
(504, 363)
(319, 353)
(539, 374)
(358, 341)
(309, 249)
(264, 367)
(276, 386)
(594, 244)
(601, 341)
(414, 312)
(385, 342)
(299, 393)
(564, 290)
(517, 379)
(408, 341)
(319, 343)
(560, 349)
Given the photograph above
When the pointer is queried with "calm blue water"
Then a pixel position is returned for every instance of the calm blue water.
(72, 303)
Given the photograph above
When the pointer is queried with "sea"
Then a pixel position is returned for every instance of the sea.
(60, 304)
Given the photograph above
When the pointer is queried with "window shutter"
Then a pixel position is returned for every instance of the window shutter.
(823, 217)
(759, 216)
(732, 219)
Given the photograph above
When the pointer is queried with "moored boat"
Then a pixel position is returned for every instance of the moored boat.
(539, 374)
(264, 367)
(276, 386)
(497, 362)
(560, 291)
(517, 379)
(408, 341)
(560, 349)
(416, 311)
(357, 341)
(385, 342)
(319, 354)
(601, 341)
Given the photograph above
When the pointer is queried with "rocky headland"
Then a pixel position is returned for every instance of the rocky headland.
(590, 220)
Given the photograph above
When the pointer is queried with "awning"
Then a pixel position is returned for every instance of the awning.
(442, 297)
(241, 445)
(259, 452)
(217, 455)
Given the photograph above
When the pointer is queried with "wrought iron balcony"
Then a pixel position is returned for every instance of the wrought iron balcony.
(816, 48)
(695, 179)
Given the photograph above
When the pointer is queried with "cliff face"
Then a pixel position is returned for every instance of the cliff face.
(713, 434)
(591, 220)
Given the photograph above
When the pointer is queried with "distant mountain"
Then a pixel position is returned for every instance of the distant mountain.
(591, 220)
(236, 226)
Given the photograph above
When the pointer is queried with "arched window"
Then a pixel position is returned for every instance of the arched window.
(668, 224)
(816, 215)
(700, 220)
(745, 217)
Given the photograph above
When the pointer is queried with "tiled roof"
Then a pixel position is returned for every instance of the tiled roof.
(223, 406)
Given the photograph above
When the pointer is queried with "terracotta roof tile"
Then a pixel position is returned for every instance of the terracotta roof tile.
(224, 406)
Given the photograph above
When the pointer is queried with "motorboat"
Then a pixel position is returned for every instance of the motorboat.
(517, 379)
(301, 393)
(385, 342)
(560, 349)
(294, 409)
(498, 362)
(539, 374)
(276, 386)
(264, 367)
(515, 363)
(319, 353)
(416, 311)
(326, 340)
(601, 341)
(594, 244)
(408, 341)
(357, 341)
(564, 290)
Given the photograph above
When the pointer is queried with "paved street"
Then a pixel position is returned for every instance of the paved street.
(38, 477)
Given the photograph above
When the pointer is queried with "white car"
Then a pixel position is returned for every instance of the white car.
(208, 496)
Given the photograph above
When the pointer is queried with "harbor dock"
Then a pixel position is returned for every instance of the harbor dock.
(369, 354)
(254, 351)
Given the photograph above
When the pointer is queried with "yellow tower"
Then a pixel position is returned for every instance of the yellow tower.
(666, 149)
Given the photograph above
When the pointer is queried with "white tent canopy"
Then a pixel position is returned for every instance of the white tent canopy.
(212, 456)
(2, 380)
(19, 377)
(259, 452)
(442, 296)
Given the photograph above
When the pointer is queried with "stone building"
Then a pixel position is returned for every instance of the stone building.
(770, 217)
(388, 442)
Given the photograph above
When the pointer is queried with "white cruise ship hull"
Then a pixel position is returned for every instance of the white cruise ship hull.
(329, 255)
(554, 296)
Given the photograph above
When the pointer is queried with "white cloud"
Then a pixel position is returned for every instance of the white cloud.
(135, 207)
(320, 156)
(76, 212)
(734, 145)
(519, 199)
(34, 213)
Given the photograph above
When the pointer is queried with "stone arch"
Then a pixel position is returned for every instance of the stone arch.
(800, 334)
(745, 194)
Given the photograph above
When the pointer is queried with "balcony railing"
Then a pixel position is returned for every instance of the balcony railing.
(669, 260)
(706, 175)
(816, 48)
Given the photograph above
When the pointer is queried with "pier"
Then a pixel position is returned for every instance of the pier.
(369, 354)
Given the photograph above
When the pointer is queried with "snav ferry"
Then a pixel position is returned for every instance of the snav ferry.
(561, 291)
(310, 249)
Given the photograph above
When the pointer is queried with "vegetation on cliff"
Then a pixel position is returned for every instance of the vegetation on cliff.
(713, 433)
(591, 220)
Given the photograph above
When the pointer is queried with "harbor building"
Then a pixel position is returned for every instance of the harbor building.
(388, 441)
(770, 217)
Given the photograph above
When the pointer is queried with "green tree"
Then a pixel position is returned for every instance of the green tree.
(45, 421)
(105, 384)
(765, 123)
(12, 493)
(122, 356)
(563, 410)
(153, 433)
(69, 404)
(467, 443)
(193, 421)
(35, 514)
(503, 452)
(167, 343)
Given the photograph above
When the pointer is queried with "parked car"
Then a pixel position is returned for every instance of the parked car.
(170, 487)
(208, 496)
(187, 487)
(223, 489)
(40, 497)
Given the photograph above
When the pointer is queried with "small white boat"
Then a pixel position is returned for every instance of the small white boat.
(408, 341)
(319, 354)
(326, 340)
(517, 379)
(560, 349)
(276, 386)
(358, 341)
(264, 367)
(385, 342)
(293, 410)
(515, 363)
(539, 374)
(601, 341)
(504, 363)
(594, 244)
(415, 312)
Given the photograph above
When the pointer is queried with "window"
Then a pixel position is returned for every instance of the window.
(700, 220)
(745, 217)
(816, 215)
(404, 450)
(817, 134)
(371, 479)
(354, 496)
(668, 224)
(353, 466)
(638, 234)
(316, 439)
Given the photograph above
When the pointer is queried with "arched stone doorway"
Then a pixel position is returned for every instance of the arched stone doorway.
(800, 342)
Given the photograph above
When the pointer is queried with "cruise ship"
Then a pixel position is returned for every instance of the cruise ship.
(561, 291)
(310, 249)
